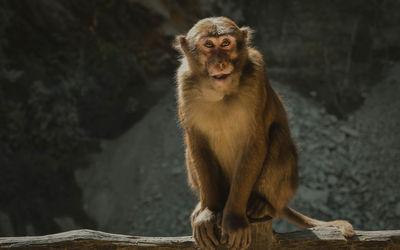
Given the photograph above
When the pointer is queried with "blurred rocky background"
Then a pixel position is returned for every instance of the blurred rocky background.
(88, 130)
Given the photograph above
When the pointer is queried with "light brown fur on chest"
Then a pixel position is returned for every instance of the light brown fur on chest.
(226, 124)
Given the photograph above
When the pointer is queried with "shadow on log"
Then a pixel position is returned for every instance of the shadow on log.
(263, 238)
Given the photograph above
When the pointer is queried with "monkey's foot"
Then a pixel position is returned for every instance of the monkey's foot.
(259, 208)
(236, 232)
(205, 231)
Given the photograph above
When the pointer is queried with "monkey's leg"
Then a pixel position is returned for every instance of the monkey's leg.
(206, 178)
(278, 182)
(259, 208)
(279, 178)
(204, 171)
(235, 226)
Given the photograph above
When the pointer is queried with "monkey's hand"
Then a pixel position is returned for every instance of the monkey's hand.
(204, 224)
(236, 233)
(259, 208)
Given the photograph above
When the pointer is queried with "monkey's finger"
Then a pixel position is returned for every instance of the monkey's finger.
(206, 239)
(224, 238)
(239, 239)
(211, 234)
(219, 220)
(203, 236)
(242, 242)
(246, 240)
(232, 240)
(198, 239)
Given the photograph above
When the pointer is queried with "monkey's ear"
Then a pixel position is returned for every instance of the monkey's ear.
(247, 34)
(180, 44)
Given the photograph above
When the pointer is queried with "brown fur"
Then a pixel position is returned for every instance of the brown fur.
(240, 156)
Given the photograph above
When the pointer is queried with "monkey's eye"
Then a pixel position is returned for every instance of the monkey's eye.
(225, 43)
(208, 44)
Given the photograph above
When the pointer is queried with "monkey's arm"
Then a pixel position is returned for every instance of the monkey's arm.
(246, 174)
(203, 166)
(235, 226)
(253, 155)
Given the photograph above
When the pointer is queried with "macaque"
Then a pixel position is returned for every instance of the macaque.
(240, 156)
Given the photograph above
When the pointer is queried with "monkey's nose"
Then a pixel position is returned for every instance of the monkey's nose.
(221, 66)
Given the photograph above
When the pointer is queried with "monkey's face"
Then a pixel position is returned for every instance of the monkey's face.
(216, 49)
(216, 56)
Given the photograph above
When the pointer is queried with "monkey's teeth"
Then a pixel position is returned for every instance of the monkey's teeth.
(221, 76)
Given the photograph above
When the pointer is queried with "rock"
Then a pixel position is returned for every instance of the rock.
(332, 180)
(338, 198)
(349, 131)
(66, 223)
(313, 196)
(332, 118)
(325, 209)
(176, 170)
(337, 137)
(344, 189)
(158, 196)
(397, 209)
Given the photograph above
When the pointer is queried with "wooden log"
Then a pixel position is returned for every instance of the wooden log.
(263, 238)
(332, 238)
(262, 235)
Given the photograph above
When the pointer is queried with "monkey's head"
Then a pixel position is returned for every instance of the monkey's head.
(216, 49)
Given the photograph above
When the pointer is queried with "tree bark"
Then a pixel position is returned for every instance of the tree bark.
(262, 233)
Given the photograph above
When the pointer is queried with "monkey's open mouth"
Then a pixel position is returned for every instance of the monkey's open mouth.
(220, 76)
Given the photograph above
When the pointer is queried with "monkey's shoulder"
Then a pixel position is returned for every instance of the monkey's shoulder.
(256, 58)
(253, 69)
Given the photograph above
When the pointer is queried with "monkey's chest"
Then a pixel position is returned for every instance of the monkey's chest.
(227, 134)
(227, 145)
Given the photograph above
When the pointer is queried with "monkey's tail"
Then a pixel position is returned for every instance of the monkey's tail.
(303, 221)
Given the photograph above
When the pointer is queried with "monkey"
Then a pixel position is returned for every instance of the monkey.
(240, 156)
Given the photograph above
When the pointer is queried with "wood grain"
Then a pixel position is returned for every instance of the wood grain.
(263, 238)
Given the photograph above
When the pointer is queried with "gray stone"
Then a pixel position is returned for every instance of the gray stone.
(332, 180)
(349, 131)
